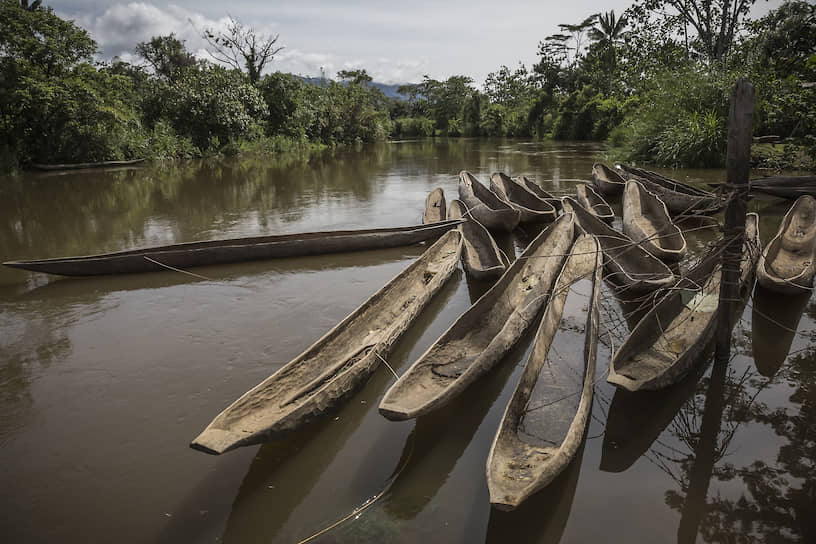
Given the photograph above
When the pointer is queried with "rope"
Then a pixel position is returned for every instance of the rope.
(176, 269)
(368, 503)
(386, 364)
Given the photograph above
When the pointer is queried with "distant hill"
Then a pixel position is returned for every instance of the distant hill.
(389, 90)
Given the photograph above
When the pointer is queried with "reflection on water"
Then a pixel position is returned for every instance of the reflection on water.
(104, 381)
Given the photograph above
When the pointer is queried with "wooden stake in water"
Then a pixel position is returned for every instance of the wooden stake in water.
(738, 168)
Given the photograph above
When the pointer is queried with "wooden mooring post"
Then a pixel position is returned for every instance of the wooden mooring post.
(738, 167)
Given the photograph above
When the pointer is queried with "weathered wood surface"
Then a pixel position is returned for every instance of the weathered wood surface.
(593, 202)
(484, 206)
(678, 333)
(536, 189)
(532, 208)
(481, 257)
(554, 393)
(630, 267)
(487, 330)
(606, 180)
(435, 207)
(738, 168)
(339, 363)
(235, 250)
(646, 221)
(680, 198)
(788, 263)
(83, 165)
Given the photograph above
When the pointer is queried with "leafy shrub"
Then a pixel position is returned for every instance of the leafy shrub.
(413, 127)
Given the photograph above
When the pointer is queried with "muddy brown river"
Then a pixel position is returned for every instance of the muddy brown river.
(104, 381)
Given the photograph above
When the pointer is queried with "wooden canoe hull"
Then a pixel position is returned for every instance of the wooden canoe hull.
(646, 221)
(485, 332)
(516, 468)
(481, 257)
(606, 180)
(335, 366)
(630, 267)
(680, 198)
(531, 208)
(594, 203)
(435, 207)
(536, 189)
(235, 250)
(788, 264)
(678, 332)
(484, 206)
(84, 165)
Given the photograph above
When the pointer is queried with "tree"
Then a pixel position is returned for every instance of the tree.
(355, 77)
(241, 47)
(167, 55)
(715, 21)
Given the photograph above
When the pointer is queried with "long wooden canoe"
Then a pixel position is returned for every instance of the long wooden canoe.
(339, 363)
(482, 335)
(434, 207)
(678, 332)
(606, 180)
(594, 203)
(646, 221)
(531, 207)
(154, 259)
(484, 206)
(789, 263)
(83, 165)
(680, 198)
(481, 257)
(630, 267)
(536, 189)
(545, 420)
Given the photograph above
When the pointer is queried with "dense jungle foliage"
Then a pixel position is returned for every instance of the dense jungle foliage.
(654, 82)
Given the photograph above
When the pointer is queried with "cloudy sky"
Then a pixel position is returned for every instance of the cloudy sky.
(397, 42)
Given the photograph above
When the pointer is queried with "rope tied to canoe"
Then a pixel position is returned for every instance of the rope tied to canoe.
(357, 511)
(386, 364)
(174, 269)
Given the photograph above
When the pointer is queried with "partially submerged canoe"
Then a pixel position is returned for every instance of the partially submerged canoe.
(774, 323)
(789, 263)
(592, 201)
(482, 335)
(481, 257)
(434, 207)
(339, 363)
(680, 198)
(630, 267)
(484, 206)
(784, 186)
(606, 180)
(536, 189)
(519, 464)
(181, 256)
(646, 221)
(531, 207)
(83, 165)
(678, 332)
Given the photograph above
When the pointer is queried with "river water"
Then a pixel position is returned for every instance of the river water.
(104, 381)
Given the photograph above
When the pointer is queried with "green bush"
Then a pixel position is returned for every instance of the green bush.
(413, 127)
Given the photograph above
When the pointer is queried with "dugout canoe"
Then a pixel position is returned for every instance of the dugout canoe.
(680, 198)
(519, 465)
(481, 257)
(434, 207)
(678, 332)
(592, 201)
(629, 267)
(83, 165)
(191, 254)
(606, 180)
(536, 189)
(647, 221)
(482, 335)
(338, 364)
(531, 208)
(788, 264)
(484, 206)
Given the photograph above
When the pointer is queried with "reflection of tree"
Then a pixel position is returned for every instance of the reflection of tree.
(778, 502)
